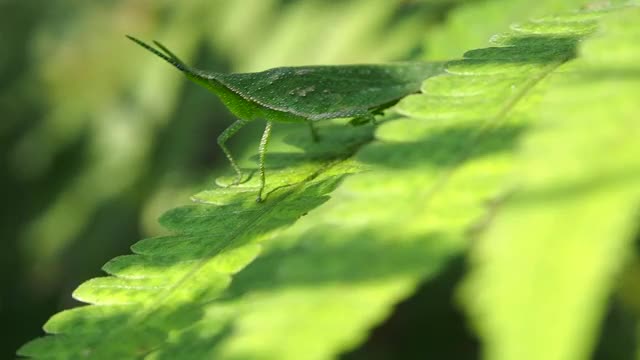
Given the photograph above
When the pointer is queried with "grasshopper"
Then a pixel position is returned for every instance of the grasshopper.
(303, 94)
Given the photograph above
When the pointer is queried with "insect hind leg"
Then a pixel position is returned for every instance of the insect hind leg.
(262, 152)
(222, 139)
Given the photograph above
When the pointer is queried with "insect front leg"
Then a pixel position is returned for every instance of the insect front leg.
(262, 151)
(222, 139)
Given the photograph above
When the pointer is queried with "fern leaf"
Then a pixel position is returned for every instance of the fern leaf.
(543, 272)
(321, 284)
(165, 285)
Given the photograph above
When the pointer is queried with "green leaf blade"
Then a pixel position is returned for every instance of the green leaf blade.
(164, 287)
(544, 270)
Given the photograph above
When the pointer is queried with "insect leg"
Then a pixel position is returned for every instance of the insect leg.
(262, 151)
(314, 132)
(222, 139)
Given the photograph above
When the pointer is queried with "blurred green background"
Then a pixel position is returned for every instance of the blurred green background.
(98, 137)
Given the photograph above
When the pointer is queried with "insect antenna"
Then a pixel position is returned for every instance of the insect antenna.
(169, 52)
(168, 56)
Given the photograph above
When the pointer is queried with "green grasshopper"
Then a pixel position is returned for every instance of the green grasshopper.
(304, 94)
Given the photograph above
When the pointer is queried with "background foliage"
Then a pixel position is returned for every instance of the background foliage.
(99, 139)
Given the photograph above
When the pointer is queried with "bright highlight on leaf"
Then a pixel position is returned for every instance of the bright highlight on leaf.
(303, 94)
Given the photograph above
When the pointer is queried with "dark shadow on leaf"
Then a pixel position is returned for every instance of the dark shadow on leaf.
(562, 191)
(442, 147)
(315, 261)
(336, 140)
(197, 342)
(528, 49)
(618, 334)
(429, 324)
(604, 73)
(618, 338)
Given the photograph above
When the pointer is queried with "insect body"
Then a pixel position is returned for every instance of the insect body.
(303, 94)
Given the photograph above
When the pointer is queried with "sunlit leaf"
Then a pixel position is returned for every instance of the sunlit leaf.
(544, 269)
